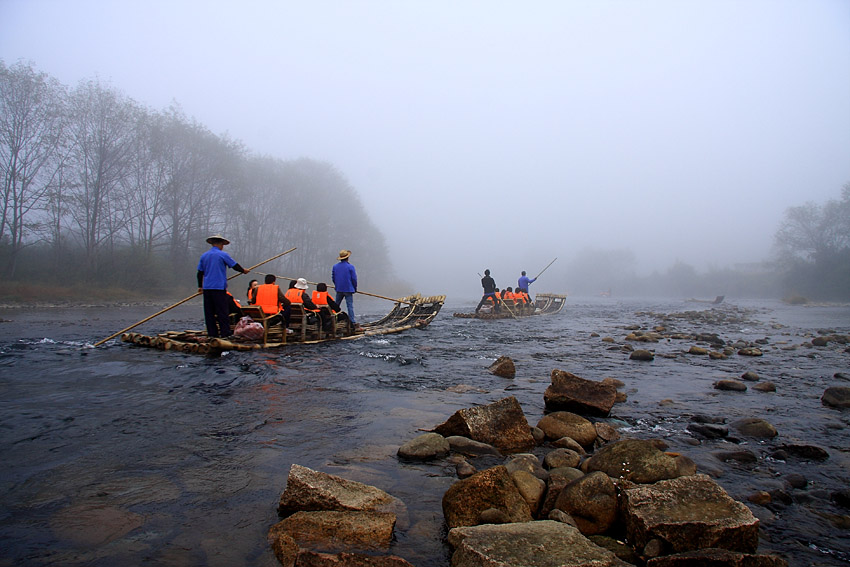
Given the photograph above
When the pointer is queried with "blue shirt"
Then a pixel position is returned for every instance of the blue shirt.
(524, 282)
(344, 277)
(214, 263)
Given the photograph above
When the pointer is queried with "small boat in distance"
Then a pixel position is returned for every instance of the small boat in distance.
(408, 313)
(544, 304)
(717, 300)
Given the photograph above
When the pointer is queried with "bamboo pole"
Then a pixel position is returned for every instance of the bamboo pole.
(360, 292)
(546, 268)
(182, 301)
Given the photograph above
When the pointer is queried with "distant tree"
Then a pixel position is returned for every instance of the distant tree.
(813, 246)
(31, 128)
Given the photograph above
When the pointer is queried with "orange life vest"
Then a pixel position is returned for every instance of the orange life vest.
(320, 298)
(267, 298)
(294, 295)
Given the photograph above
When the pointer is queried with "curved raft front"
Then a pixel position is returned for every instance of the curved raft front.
(544, 304)
(407, 313)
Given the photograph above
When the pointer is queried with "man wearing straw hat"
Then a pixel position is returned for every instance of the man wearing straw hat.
(344, 277)
(212, 281)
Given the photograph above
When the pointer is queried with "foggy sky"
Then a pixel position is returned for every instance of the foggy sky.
(500, 134)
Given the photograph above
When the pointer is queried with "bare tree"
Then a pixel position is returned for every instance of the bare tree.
(31, 127)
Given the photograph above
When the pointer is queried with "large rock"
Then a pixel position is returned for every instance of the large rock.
(308, 490)
(333, 530)
(715, 558)
(503, 367)
(632, 459)
(837, 397)
(591, 501)
(501, 424)
(686, 514)
(466, 499)
(531, 488)
(566, 424)
(315, 559)
(466, 446)
(544, 544)
(570, 393)
(425, 447)
(754, 427)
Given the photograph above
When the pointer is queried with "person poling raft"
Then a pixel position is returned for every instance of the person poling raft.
(510, 303)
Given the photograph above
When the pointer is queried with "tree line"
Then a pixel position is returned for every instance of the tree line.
(101, 190)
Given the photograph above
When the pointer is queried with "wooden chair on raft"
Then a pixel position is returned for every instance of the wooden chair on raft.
(275, 331)
(305, 324)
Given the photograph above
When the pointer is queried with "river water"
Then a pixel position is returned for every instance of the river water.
(120, 455)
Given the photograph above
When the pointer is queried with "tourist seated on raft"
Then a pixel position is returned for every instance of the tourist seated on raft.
(272, 300)
(233, 305)
(321, 297)
(252, 285)
(297, 294)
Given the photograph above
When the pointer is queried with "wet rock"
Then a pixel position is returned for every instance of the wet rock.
(531, 488)
(464, 469)
(467, 446)
(760, 497)
(613, 382)
(641, 354)
(699, 418)
(568, 392)
(837, 397)
(345, 559)
(750, 376)
(94, 525)
(632, 459)
(717, 558)
(561, 516)
(685, 466)
(464, 501)
(425, 447)
(698, 350)
(503, 367)
(805, 452)
(591, 501)
(618, 548)
(715, 355)
(754, 427)
(561, 458)
(568, 443)
(765, 387)
(284, 548)
(554, 485)
(605, 433)
(841, 497)
(607, 339)
(709, 430)
(545, 543)
(730, 385)
(688, 513)
(493, 516)
(501, 424)
(750, 351)
(307, 489)
(567, 424)
(620, 397)
(710, 338)
(796, 480)
(334, 530)
(539, 436)
(569, 473)
(526, 462)
(820, 341)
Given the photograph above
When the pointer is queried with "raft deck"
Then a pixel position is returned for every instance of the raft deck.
(544, 304)
(407, 313)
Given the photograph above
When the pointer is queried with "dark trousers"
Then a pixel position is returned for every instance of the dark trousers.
(217, 312)
(484, 299)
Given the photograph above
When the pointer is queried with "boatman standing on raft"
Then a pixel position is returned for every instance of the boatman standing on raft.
(344, 277)
(523, 282)
(212, 281)
(489, 285)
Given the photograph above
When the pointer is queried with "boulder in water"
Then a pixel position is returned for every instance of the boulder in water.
(501, 424)
(568, 392)
(466, 499)
(503, 367)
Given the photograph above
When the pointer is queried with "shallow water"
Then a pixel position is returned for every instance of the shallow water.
(124, 455)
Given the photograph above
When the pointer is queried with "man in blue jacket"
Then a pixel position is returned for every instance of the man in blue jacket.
(212, 282)
(344, 277)
(523, 282)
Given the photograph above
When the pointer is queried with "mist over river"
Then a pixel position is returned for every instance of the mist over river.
(120, 455)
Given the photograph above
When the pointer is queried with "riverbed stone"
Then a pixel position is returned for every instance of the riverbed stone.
(730, 385)
(750, 376)
(709, 430)
(754, 427)
(531, 488)
(591, 501)
(501, 424)
(545, 543)
(334, 530)
(307, 490)
(464, 501)
(568, 392)
(837, 397)
(526, 462)
(697, 350)
(561, 458)
(567, 424)
(605, 433)
(636, 460)
(568, 443)
(642, 354)
(503, 367)
(765, 387)
(804, 452)
(688, 513)
(470, 447)
(750, 351)
(714, 557)
(425, 447)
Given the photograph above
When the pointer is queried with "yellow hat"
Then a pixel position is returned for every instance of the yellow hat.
(343, 254)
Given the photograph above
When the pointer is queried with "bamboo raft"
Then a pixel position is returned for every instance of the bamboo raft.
(544, 304)
(408, 313)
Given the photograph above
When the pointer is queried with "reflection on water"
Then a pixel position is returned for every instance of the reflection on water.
(125, 455)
